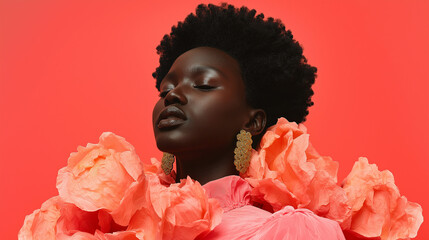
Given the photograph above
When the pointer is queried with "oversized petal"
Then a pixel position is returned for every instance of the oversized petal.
(185, 210)
(123, 235)
(108, 175)
(287, 170)
(378, 209)
(146, 223)
(272, 192)
(136, 197)
(76, 236)
(40, 225)
(155, 168)
(325, 163)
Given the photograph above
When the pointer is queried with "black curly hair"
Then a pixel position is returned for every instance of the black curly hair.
(275, 72)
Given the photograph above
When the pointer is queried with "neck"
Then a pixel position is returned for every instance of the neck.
(205, 166)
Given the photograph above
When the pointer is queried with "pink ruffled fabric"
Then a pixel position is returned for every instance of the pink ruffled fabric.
(378, 209)
(155, 168)
(287, 172)
(290, 223)
(243, 221)
(108, 175)
(40, 225)
(183, 211)
(289, 192)
(232, 192)
(104, 194)
(57, 220)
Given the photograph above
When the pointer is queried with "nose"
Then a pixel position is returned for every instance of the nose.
(176, 95)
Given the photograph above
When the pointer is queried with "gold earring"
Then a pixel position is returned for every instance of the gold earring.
(167, 162)
(243, 151)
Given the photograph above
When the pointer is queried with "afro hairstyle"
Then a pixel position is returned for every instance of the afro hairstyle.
(275, 72)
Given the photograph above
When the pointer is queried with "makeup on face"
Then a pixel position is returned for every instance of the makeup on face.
(202, 102)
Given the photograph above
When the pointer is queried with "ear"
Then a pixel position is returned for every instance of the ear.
(257, 122)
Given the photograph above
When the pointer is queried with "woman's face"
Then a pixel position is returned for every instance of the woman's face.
(202, 104)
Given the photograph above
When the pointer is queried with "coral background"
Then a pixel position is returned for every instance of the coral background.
(70, 70)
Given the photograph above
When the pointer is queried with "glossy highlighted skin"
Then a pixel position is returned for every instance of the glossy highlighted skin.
(201, 109)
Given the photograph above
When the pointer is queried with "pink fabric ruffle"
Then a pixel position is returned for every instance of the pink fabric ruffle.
(231, 192)
(287, 172)
(290, 223)
(155, 168)
(104, 194)
(182, 211)
(289, 192)
(378, 209)
(243, 221)
(58, 220)
(108, 175)
(40, 225)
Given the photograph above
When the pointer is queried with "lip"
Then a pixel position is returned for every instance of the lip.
(171, 116)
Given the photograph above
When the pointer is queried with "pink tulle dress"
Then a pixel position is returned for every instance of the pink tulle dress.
(243, 221)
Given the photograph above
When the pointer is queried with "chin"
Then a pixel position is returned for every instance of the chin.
(170, 141)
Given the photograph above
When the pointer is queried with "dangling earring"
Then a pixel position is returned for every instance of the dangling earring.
(167, 162)
(243, 151)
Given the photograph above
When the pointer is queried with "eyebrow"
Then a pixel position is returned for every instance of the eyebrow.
(196, 69)
(203, 68)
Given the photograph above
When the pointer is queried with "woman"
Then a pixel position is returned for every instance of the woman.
(228, 80)
(249, 72)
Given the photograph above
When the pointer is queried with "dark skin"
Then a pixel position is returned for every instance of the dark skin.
(202, 107)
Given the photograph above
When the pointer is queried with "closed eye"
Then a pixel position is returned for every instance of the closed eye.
(204, 87)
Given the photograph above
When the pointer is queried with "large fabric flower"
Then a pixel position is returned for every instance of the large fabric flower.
(155, 168)
(58, 220)
(105, 193)
(378, 209)
(286, 171)
(184, 210)
(108, 175)
(40, 225)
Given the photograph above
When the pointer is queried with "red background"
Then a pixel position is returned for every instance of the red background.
(70, 70)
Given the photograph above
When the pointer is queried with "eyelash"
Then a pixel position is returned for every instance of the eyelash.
(204, 87)
(200, 87)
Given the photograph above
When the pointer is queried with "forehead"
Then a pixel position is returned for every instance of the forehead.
(207, 57)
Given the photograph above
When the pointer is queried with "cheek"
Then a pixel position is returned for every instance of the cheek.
(220, 112)
(229, 108)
